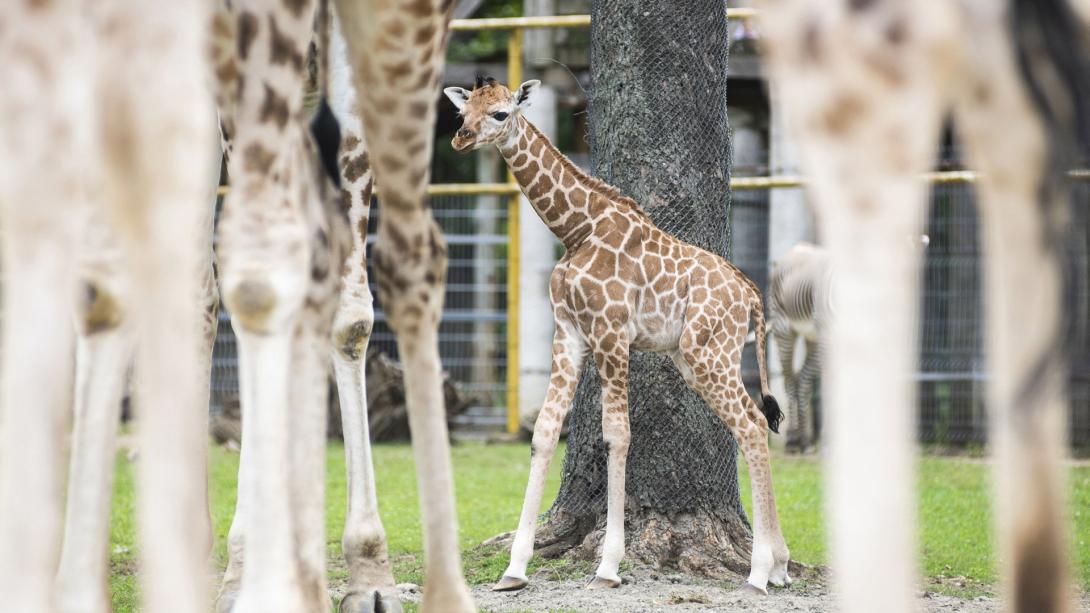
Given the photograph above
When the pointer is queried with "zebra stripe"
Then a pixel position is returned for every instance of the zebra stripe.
(800, 305)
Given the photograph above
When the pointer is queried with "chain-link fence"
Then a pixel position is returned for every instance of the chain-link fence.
(473, 329)
(952, 371)
(952, 374)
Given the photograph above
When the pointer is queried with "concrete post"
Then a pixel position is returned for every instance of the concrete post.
(538, 245)
(790, 219)
(789, 222)
(486, 273)
(538, 248)
(538, 42)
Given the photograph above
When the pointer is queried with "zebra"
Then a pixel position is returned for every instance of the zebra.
(801, 304)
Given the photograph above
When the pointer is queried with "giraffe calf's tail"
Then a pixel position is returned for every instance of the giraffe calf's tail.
(769, 406)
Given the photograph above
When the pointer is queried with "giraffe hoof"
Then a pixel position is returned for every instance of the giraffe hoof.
(753, 590)
(780, 580)
(784, 582)
(369, 601)
(226, 601)
(509, 584)
(599, 583)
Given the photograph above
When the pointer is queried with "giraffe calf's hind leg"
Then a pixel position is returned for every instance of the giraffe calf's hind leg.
(701, 365)
(613, 368)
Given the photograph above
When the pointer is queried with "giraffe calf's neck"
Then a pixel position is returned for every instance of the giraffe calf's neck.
(567, 199)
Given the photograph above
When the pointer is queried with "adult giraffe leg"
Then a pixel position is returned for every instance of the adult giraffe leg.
(157, 135)
(612, 362)
(47, 91)
(396, 51)
(858, 83)
(271, 249)
(568, 353)
(1022, 272)
(223, 45)
(309, 401)
(236, 538)
(103, 352)
(370, 580)
(364, 538)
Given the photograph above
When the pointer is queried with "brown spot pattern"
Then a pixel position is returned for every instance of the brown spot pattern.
(247, 31)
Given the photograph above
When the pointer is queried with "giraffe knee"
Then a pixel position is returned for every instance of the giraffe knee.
(251, 304)
(616, 433)
(350, 340)
(545, 438)
(99, 309)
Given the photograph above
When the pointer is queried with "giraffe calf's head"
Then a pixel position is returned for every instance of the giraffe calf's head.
(488, 112)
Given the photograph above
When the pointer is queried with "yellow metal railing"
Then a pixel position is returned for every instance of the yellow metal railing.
(514, 259)
(736, 183)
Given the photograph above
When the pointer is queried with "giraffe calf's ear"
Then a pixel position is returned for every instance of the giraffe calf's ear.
(458, 96)
(527, 89)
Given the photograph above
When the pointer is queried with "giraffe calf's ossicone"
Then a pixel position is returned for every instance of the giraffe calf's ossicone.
(625, 284)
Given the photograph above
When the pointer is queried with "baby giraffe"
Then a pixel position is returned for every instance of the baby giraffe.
(625, 284)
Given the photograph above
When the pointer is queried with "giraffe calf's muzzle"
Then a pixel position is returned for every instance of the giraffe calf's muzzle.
(463, 140)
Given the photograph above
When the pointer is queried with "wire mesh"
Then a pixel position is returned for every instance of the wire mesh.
(951, 375)
(473, 328)
(952, 371)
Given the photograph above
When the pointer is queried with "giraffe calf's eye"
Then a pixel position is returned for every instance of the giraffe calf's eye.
(499, 115)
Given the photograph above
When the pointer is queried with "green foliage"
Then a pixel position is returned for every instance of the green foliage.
(484, 45)
(954, 515)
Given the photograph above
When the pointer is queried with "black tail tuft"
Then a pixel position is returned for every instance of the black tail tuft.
(772, 412)
(327, 135)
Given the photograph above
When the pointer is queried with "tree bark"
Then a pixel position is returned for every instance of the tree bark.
(659, 132)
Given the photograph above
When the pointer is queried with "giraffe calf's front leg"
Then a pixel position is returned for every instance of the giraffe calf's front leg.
(568, 352)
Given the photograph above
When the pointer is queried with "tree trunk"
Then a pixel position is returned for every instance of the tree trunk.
(659, 132)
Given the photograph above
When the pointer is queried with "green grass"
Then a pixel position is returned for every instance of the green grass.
(954, 514)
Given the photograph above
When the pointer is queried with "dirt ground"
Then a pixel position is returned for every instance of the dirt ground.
(649, 591)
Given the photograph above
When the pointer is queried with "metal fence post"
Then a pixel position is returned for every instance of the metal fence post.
(514, 79)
